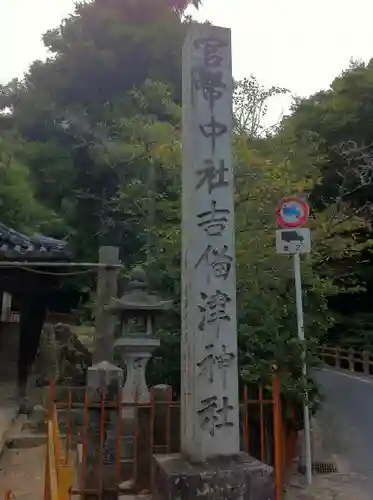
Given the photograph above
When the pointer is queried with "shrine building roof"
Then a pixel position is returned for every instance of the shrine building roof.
(15, 246)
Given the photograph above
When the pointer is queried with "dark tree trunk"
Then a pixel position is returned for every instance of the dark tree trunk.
(33, 313)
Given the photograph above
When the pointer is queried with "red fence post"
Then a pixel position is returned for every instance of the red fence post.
(246, 436)
(152, 425)
(46, 476)
(277, 436)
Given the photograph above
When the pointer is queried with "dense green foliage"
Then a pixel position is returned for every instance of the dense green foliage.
(90, 151)
(339, 122)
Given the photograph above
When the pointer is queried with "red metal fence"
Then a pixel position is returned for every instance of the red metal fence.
(59, 473)
(114, 442)
(263, 432)
(9, 495)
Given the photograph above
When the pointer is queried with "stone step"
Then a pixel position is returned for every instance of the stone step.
(23, 441)
(8, 423)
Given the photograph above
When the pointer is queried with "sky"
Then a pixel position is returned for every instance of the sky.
(296, 44)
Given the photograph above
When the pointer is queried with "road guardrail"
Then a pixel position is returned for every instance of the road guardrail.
(348, 359)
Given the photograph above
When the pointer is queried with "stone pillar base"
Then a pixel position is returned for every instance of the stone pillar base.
(224, 478)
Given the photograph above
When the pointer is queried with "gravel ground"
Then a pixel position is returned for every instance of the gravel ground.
(338, 486)
(22, 471)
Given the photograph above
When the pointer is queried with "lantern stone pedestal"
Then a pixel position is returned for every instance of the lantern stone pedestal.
(137, 309)
(135, 353)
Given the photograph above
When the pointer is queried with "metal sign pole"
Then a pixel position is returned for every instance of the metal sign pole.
(291, 214)
(306, 414)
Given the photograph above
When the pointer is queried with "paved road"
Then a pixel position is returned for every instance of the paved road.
(348, 410)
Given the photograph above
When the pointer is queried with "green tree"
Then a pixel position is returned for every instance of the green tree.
(337, 121)
(98, 143)
(19, 206)
(85, 141)
(250, 103)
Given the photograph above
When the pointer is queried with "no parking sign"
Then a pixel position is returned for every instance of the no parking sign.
(292, 212)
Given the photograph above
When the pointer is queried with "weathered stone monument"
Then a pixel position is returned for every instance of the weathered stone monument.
(211, 464)
(107, 287)
(104, 383)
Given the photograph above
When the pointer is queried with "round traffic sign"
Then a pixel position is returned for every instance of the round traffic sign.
(292, 212)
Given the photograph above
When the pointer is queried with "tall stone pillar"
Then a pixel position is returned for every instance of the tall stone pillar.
(210, 406)
(210, 464)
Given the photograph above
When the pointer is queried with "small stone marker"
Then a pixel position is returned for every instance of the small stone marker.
(104, 380)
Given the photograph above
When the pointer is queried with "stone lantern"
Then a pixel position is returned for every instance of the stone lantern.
(137, 310)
